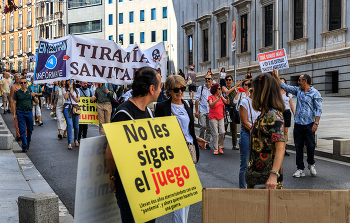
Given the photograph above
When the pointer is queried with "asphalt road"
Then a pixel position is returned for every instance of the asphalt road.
(58, 166)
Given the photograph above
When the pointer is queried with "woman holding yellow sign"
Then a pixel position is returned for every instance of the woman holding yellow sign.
(175, 87)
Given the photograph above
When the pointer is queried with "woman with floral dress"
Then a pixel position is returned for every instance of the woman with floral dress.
(267, 135)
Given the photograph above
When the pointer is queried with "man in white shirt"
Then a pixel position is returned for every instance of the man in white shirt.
(202, 109)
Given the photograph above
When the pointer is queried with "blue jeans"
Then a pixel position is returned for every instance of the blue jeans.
(125, 211)
(25, 119)
(244, 141)
(72, 122)
(304, 135)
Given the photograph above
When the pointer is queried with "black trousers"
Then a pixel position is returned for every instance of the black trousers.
(304, 136)
(82, 131)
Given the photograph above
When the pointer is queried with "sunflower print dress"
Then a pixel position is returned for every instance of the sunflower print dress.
(262, 151)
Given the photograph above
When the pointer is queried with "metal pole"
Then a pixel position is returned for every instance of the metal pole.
(66, 17)
(234, 56)
(276, 28)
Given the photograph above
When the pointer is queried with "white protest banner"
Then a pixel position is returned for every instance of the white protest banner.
(94, 200)
(273, 60)
(95, 60)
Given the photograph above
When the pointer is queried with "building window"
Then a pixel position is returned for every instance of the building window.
(110, 37)
(223, 39)
(142, 15)
(142, 37)
(3, 28)
(120, 18)
(110, 19)
(332, 82)
(3, 48)
(131, 39)
(153, 36)
(29, 43)
(83, 3)
(85, 27)
(298, 19)
(205, 45)
(165, 35)
(20, 44)
(268, 25)
(165, 12)
(110, 1)
(153, 14)
(29, 18)
(244, 33)
(11, 23)
(20, 20)
(11, 47)
(121, 39)
(334, 14)
(190, 50)
(120, 0)
(131, 17)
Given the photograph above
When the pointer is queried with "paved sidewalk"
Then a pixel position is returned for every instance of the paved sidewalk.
(18, 176)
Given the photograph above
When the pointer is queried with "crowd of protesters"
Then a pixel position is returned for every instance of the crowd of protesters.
(262, 106)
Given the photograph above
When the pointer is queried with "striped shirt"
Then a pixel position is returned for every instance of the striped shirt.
(309, 104)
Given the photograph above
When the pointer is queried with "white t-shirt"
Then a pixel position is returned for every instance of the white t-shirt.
(70, 98)
(222, 75)
(183, 119)
(254, 115)
(286, 100)
(203, 100)
(241, 96)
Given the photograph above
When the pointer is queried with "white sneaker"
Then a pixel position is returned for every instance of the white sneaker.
(299, 173)
(48, 107)
(55, 118)
(34, 124)
(312, 170)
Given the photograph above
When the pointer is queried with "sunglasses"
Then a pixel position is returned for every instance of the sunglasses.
(23, 82)
(208, 79)
(245, 84)
(300, 79)
(219, 88)
(229, 80)
(176, 90)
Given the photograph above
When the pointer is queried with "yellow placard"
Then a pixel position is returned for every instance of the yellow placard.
(89, 113)
(155, 166)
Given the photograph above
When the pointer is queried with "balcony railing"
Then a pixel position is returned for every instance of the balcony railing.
(58, 15)
(48, 18)
(39, 20)
(29, 23)
(29, 2)
(3, 54)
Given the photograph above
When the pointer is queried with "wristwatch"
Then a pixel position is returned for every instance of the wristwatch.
(275, 172)
(317, 123)
(112, 178)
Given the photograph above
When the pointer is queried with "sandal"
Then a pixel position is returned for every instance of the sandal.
(70, 146)
(60, 136)
(76, 143)
(64, 136)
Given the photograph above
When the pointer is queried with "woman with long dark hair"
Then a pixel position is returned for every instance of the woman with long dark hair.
(71, 96)
(267, 135)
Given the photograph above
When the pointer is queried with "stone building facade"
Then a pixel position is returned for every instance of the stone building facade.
(148, 22)
(17, 36)
(49, 20)
(313, 33)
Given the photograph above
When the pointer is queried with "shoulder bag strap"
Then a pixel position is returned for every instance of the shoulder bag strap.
(150, 112)
(250, 112)
(127, 113)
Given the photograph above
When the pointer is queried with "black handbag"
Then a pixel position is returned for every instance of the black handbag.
(235, 115)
